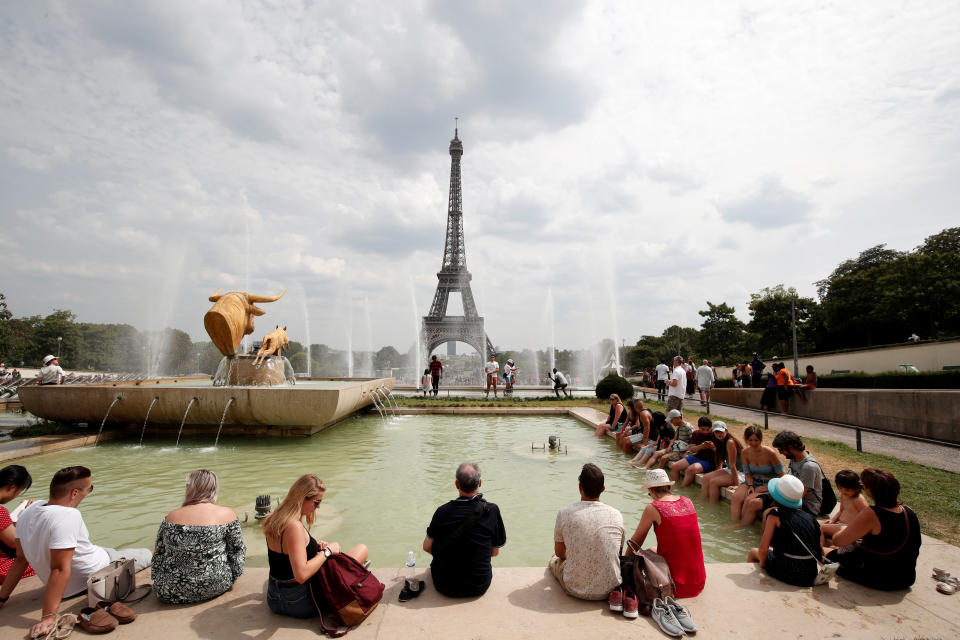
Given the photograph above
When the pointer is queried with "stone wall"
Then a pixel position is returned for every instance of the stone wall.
(929, 414)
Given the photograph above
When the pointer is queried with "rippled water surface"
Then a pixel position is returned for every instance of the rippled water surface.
(384, 481)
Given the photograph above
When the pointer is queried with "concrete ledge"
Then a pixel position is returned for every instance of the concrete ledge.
(22, 448)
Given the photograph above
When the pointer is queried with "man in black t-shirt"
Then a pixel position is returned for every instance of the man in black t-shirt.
(461, 564)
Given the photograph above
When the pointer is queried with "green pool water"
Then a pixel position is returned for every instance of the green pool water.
(384, 480)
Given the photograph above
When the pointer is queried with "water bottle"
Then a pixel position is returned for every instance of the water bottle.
(409, 573)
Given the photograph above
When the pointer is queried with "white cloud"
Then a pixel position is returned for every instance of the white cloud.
(155, 152)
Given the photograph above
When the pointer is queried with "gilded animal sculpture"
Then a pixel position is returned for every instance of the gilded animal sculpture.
(273, 345)
(231, 318)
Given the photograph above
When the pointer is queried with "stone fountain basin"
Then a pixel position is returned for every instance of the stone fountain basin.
(302, 409)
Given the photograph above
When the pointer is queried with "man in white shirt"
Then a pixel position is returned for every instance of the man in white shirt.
(52, 537)
(492, 368)
(559, 383)
(676, 385)
(705, 381)
(663, 374)
(50, 372)
(586, 543)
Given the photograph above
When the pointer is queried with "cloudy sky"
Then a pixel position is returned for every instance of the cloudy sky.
(626, 161)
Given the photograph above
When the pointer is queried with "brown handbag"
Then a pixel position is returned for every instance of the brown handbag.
(651, 577)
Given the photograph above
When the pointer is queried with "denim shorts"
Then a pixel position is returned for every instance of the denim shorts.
(288, 598)
(707, 466)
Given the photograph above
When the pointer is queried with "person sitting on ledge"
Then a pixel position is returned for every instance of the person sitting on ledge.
(462, 537)
(760, 464)
(643, 432)
(660, 435)
(14, 480)
(674, 521)
(199, 552)
(586, 544)
(729, 461)
(615, 419)
(802, 465)
(851, 503)
(679, 443)
(701, 455)
(293, 554)
(790, 543)
(53, 538)
(879, 548)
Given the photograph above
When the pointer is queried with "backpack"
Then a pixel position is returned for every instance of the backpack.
(648, 575)
(828, 499)
(349, 591)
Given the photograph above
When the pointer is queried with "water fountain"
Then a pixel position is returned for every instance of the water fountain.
(266, 398)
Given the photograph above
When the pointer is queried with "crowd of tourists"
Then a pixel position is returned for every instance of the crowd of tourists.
(199, 550)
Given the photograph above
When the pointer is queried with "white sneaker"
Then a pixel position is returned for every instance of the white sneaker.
(681, 614)
(663, 616)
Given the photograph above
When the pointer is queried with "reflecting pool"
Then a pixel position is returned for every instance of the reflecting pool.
(384, 480)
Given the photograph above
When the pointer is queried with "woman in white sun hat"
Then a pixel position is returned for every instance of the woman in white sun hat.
(790, 544)
(674, 521)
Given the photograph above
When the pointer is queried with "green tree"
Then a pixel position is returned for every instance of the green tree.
(770, 328)
(721, 334)
(43, 341)
(945, 242)
(387, 358)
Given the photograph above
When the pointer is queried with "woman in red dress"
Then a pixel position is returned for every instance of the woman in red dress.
(14, 480)
(674, 520)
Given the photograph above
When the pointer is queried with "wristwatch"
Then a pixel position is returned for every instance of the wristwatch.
(327, 552)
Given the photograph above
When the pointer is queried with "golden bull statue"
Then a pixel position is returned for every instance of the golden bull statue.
(231, 318)
(273, 345)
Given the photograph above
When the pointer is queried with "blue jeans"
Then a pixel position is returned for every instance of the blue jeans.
(289, 598)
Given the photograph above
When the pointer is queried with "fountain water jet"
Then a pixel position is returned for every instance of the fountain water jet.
(147, 417)
(222, 418)
(115, 401)
(189, 404)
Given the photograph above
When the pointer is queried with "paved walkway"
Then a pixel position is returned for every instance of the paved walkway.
(739, 602)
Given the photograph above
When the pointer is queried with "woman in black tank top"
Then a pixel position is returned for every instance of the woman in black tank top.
(293, 554)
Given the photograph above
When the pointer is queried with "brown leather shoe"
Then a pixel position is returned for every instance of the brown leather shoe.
(95, 620)
(120, 611)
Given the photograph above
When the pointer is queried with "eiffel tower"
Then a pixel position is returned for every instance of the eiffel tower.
(438, 327)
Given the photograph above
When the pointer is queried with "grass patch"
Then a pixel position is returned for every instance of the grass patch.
(42, 429)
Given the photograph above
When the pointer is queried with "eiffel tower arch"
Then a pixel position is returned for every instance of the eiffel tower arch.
(453, 277)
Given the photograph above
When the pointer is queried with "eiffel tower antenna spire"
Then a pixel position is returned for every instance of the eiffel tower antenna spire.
(454, 277)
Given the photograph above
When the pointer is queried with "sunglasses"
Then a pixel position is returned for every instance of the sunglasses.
(316, 501)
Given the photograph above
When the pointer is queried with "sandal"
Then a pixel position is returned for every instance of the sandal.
(64, 626)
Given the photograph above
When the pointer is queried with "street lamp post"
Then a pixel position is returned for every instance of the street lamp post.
(59, 341)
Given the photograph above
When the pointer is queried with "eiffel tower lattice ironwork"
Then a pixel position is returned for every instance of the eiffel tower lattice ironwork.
(438, 327)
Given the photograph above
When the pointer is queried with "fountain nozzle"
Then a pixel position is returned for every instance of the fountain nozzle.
(262, 507)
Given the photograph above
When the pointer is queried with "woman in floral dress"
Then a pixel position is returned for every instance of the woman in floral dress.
(200, 550)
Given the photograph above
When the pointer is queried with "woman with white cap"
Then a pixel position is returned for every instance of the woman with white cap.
(790, 544)
(674, 521)
(728, 460)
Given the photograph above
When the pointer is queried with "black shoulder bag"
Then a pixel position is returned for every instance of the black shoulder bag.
(481, 509)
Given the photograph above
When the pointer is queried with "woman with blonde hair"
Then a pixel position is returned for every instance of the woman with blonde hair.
(199, 550)
(293, 554)
(618, 415)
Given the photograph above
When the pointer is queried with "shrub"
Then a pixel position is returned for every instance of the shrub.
(614, 384)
